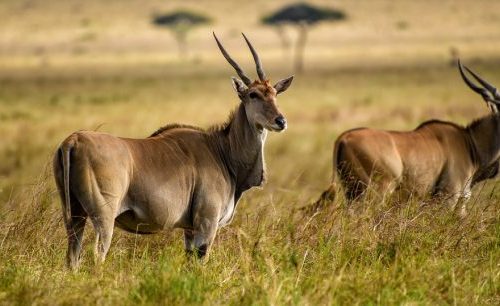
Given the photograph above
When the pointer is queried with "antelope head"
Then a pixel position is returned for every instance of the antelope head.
(259, 96)
(492, 97)
(489, 93)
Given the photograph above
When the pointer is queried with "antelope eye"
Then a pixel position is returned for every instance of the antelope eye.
(253, 95)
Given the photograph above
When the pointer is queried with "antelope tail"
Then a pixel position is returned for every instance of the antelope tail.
(329, 194)
(65, 154)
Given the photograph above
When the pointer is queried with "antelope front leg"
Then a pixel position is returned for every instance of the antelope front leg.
(203, 238)
(205, 225)
(188, 241)
(463, 201)
(457, 202)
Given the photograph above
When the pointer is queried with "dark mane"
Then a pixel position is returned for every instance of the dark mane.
(437, 121)
(223, 127)
(174, 126)
(474, 124)
(487, 126)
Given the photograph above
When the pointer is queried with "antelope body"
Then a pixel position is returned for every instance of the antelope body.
(437, 158)
(180, 177)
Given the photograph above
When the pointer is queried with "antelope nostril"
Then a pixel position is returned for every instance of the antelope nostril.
(281, 122)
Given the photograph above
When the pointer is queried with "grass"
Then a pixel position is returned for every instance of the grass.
(385, 67)
(273, 252)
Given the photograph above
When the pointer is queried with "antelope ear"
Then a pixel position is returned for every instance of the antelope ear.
(283, 85)
(239, 86)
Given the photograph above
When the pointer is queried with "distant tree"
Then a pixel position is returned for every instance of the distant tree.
(180, 23)
(303, 16)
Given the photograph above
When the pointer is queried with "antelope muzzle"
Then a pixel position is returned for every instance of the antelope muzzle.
(280, 122)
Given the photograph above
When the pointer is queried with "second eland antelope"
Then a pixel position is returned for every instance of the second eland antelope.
(438, 158)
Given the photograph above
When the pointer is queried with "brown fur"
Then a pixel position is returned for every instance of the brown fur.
(437, 158)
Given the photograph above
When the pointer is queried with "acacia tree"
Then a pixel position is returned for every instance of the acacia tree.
(302, 16)
(180, 23)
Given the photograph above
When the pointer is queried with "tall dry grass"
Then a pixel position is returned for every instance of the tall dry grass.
(376, 252)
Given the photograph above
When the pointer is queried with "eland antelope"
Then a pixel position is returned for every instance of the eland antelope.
(179, 177)
(438, 158)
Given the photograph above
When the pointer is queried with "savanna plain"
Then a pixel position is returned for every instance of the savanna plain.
(276, 250)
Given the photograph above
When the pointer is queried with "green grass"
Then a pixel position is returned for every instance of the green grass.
(68, 66)
(273, 252)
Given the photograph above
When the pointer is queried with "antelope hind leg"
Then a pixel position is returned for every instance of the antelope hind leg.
(75, 228)
(103, 219)
(104, 232)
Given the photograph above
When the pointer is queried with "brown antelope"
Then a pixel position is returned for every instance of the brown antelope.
(437, 158)
(179, 177)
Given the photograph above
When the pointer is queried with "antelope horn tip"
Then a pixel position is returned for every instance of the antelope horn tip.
(258, 64)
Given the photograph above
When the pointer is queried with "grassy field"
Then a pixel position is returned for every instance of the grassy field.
(273, 253)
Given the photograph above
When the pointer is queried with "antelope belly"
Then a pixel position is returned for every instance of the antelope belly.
(130, 221)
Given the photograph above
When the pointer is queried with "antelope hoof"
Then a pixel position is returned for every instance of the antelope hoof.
(199, 252)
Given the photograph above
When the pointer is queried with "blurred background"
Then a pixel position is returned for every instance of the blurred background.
(127, 67)
(354, 33)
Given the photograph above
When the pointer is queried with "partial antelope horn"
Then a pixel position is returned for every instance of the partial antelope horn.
(486, 85)
(483, 92)
(467, 81)
(236, 67)
(258, 64)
